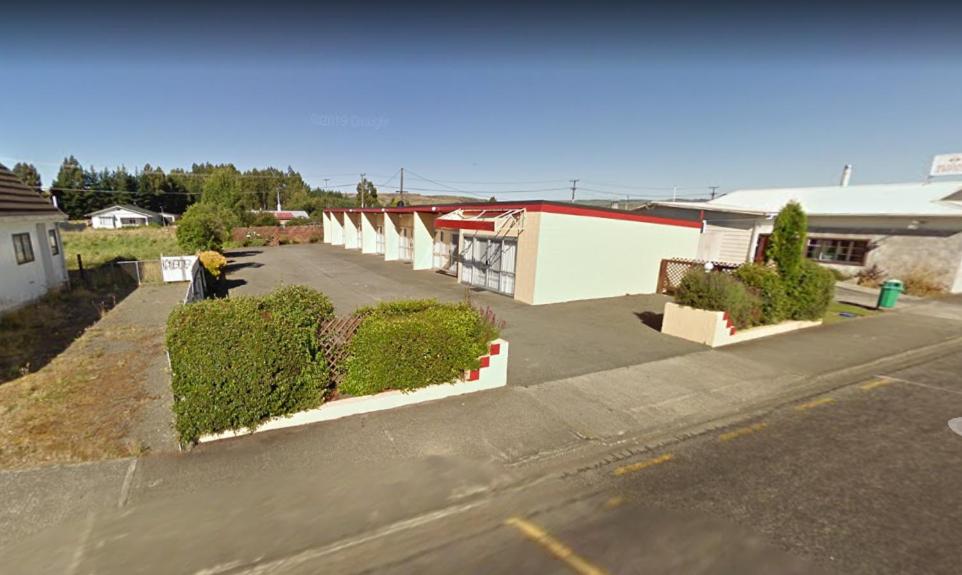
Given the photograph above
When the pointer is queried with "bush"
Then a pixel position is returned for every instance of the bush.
(261, 219)
(871, 277)
(411, 344)
(786, 246)
(812, 292)
(205, 227)
(213, 262)
(719, 291)
(237, 362)
(923, 282)
(765, 283)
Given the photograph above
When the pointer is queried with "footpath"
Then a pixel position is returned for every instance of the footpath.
(230, 505)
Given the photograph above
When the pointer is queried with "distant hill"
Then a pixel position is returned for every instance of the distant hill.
(423, 200)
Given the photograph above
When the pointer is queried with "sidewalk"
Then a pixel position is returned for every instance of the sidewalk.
(274, 494)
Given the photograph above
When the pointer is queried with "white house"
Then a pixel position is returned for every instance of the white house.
(31, 255)
(897, 228)
(284, 216)
(127, 216)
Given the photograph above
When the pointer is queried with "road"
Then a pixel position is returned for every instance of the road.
(861, 480)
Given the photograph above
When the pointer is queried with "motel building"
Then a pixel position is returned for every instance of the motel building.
(537, 252)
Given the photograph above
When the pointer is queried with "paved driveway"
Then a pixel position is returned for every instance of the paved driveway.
(548, 342)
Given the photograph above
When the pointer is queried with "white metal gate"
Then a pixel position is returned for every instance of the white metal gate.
(489, 263)
(406, 247)
(446, 251)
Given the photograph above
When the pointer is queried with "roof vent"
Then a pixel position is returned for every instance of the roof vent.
(846, 175)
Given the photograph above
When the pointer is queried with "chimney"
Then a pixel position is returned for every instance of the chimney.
(846, 175)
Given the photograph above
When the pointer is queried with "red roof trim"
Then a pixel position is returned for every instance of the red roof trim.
(541, 206)
(483, 225)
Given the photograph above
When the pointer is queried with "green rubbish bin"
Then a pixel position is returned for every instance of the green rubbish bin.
(889, 294)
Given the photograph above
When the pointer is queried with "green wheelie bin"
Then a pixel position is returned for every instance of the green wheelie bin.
(889, 294)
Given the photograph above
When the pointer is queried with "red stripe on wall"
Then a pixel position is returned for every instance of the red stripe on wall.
(464, 225)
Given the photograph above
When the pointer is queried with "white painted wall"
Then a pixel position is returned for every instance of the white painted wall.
(326, 219)
(368, 233)
(337, 229)
(392, 239)
(423, 241)
(22, 283)
(350, 231)
(112, 219)
(582, 257)
(726, 242)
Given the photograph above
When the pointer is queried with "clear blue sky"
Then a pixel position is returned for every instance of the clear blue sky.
(628, 96)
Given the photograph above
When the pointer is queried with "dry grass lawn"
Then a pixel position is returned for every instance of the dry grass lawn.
(99, 246)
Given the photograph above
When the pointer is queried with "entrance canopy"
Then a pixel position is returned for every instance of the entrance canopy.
(493, 220)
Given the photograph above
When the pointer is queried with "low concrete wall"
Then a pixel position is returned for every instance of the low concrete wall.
(715, 329)
(276, 234)
(493, 373)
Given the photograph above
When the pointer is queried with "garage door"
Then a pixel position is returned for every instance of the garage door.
(446, 251)
(489, 263)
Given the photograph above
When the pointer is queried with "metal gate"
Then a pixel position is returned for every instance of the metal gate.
(489, 263)
(446, 252)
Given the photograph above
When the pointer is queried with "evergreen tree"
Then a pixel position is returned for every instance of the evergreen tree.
(68, 188)
(786, 246)
(223, 187)
(28, 174)
(366, 194)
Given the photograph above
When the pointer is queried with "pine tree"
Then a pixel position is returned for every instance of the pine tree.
(28, 174)
(786, 246)
(67, 187)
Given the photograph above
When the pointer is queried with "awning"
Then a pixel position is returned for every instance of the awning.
(480, 220)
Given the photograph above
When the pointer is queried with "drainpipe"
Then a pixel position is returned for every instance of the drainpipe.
(846, 175)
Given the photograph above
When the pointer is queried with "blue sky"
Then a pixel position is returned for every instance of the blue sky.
(625, 102)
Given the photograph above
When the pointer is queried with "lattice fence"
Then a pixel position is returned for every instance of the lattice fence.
(673, 270)
(335, 336)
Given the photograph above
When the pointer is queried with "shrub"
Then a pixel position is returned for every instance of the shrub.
(765, 282)
(411, 344)
(237, 362)
(839, 275)
(205, 227)
(923, 282)
(812, 292)
(213, 262)
(786, 246)
(719, 291)
(871, 276)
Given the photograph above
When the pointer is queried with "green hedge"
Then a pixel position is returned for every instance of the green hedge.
(812, 293)
(720, 291)
(239, 361)
(411, 344)
(765, 282)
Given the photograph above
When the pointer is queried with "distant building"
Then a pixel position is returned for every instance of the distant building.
(284, 216)
(31, 255)
(127, 216)
(900, 228)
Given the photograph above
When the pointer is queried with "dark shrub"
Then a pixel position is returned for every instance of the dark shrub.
(812, 293)
(786, 246)
(239, 361)
(410, 344)
(261, 219)
(719, 291)
(765, 283)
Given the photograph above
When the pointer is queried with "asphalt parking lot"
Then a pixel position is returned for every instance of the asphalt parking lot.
(549, 342)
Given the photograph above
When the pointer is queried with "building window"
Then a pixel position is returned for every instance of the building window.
(23, 248)
(838, 251)
(107, 221)
(54, 244)
(130, 221)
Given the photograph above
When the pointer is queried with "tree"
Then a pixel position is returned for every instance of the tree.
(366, 194)
(205, 226)
(69, 186)
(28, 174)
(786, 246)
(223, 187)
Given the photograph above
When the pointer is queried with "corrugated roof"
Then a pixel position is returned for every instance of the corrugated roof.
(912, 199)
(16, 199)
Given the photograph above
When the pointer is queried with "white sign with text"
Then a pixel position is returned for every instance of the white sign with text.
(177, 269)
(946, 165)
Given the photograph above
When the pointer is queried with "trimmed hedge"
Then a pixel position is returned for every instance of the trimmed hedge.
(765, 282)
(239, 361)
(812, 293)
(411, 344)
(718, 291)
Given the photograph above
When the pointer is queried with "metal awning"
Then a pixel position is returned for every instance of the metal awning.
(481, 220)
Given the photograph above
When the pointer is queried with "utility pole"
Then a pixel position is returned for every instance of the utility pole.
(574, 187)
(713, 190)
(401, 189)
(326, 180)
(278, 199)
(362, 188)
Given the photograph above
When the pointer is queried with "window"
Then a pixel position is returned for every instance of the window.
(23, 248)
(107, 221)
(839, 251)
(131, 221)
(54, 244)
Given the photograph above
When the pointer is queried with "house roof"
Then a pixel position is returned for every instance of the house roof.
(16, 199)
(911, 199)
(127, 207)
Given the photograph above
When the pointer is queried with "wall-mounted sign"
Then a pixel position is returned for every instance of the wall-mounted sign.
(946, 165)
(177, 269)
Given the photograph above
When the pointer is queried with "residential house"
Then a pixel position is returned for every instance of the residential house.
(284, 216)
(127, 216)
(897, 228)
(31, 254)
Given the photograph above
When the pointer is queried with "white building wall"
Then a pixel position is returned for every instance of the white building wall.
(112, 219)
(22, 283)
(581, 257)
(392, 238)
(350, 231)
(368, 233)
(423, 241)
(326, 219)
(337, 228)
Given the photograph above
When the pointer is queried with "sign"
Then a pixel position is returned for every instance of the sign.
(946, 165)
(177, 269)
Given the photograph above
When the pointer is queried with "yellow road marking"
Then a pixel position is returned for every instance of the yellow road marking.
(643, 464)
(742, 431)
(875, 383)
(614, 502)
(557, 548)
(815, 403)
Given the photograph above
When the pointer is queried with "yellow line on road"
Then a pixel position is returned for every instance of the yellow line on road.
(815, 403)
(875, 383)
(643, 464)
(557, 548)
(742, 431)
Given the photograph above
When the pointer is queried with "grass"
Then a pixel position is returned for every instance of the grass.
(99, 246)
(832, 314)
